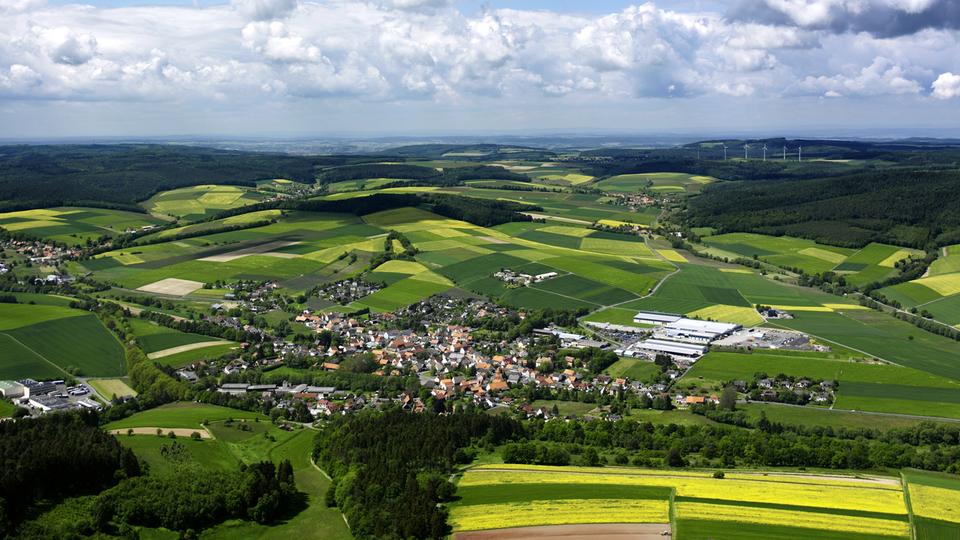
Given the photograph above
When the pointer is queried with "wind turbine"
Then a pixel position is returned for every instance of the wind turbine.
(784, 152)
(746, 148)
(764, 152)
(724, 151)
(800, 153)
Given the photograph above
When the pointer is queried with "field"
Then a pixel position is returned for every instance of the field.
(654, 182)
(875, 262)
(863, 386)
(162, 343)
(229, 448)
(112, 387)
(783, 251)
(934, 502)
(198, 202)
(937, 292)
(72, 225)
(47, 342)
(741, 504)
(633, 369)
(182, 415)
(303, 249)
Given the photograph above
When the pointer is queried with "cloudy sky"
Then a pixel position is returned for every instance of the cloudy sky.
(350, 67)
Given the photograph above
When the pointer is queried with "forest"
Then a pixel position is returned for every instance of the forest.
(917, 208)
(121, 175)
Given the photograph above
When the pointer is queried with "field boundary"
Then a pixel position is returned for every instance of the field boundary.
(906, 502)
(44, 358)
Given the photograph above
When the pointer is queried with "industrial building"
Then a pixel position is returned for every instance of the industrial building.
(696, 331)
(673, 348)
(655, 318)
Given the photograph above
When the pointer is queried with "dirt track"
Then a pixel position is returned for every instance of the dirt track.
(179, 432)
(183, 348)
(608, 531)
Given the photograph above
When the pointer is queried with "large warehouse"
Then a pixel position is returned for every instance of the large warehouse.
(696, 331)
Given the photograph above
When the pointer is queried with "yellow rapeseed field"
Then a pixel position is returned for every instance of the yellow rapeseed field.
(558, 512)
(935, 502)
(839, 495)
(747, 316)
(811, 520)
(672, 255)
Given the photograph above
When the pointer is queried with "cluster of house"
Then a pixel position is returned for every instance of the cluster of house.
(783, 388)
(519, 279)
(47, 396)
(42, 253)
(348, 290)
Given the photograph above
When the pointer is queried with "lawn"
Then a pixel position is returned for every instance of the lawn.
(656, 182)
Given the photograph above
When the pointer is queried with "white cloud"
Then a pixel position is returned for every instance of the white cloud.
(262, 10)
(881, 77)
(946, 86)
(426, 50)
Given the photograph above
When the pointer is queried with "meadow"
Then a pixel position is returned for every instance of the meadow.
(230, 447)
(45, 341)
(174, 348)
(74, 225)
(863, 386)
(737, 506)
(198, 202)
(938, 291)
(663, 182)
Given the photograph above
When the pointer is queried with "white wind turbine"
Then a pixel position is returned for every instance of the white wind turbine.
(724, 151)
(764, 152)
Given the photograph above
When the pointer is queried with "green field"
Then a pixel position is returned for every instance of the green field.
(863, 386)
(664, 182)
(182, 415)
(152, 337)
(231, 447)
(742, 505)
(112, 387)
(633, 369)
(74, 225)
(197, 202)
(783, 251)
(44, 342)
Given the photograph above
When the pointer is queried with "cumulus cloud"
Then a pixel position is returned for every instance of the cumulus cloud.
(884, 18)
(394, 50)
(881, 77)
(263, 10)
(946, 86)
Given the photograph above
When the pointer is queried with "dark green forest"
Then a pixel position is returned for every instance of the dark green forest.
(121, 175)
(917, 208)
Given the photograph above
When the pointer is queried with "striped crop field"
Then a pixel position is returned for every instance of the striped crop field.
(809, 505)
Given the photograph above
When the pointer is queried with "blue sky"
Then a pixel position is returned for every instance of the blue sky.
(328, 67)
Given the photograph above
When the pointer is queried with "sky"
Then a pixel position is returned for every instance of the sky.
(299, 68)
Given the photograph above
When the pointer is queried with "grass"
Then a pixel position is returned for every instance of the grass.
(633, 369)
(6, 409)
(783, 251)
(746, 316)
(863, 386)
(75, 225)
(208, 453)
(881, 335)
(182, 415)
(196, 202)
(656, 182)
(153, 337)
(112, 387)
(566, 408)
(188, 357)
(49, 341)
(836, 418)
